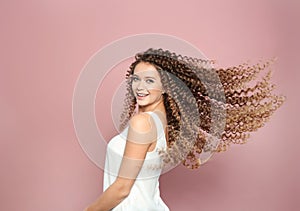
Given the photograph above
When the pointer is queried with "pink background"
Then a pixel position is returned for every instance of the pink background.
(44, 46)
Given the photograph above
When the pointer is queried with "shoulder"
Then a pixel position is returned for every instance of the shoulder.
(142, 122)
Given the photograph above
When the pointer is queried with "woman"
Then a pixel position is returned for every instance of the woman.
(186, 111)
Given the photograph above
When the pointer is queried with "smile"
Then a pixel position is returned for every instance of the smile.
(141, 94)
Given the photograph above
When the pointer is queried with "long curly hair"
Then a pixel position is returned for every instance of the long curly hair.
(207, 108)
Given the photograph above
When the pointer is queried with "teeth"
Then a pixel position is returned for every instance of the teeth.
(141, 95)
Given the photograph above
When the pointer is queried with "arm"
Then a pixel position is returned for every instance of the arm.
(141, 134)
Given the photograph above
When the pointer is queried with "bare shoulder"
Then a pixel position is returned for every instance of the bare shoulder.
(142, 122)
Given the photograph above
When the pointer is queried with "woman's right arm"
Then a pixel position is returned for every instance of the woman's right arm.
(141, 134)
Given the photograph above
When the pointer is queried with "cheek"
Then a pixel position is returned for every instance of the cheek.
(155, 87)
(155, 93)
(133, 86)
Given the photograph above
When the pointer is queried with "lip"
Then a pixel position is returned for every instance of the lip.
(141, 97)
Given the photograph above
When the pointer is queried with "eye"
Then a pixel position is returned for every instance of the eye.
(149, 81)
(134, 78)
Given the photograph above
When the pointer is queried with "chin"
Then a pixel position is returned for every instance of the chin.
(142, 104)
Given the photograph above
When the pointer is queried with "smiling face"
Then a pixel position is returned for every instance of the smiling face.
(146, 86)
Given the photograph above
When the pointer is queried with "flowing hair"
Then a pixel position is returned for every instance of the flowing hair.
(207, 108)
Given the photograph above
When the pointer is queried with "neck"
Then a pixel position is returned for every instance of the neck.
(156, 106)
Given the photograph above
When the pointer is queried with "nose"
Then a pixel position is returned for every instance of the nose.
(141, 85)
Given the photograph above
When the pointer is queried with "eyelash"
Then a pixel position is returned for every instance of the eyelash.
(151, 81)
(148, 80)
(134, 78)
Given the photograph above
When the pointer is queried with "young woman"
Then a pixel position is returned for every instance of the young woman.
(186, 111)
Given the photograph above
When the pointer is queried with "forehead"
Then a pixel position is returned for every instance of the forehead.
(144, 69)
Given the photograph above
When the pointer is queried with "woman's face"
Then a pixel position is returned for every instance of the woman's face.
(146, 85)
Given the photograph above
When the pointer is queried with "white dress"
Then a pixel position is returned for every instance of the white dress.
(145, 193)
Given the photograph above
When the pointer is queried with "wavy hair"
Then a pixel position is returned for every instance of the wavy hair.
(207, 108)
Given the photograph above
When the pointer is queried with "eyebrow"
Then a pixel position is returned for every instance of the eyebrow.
(145, 76)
